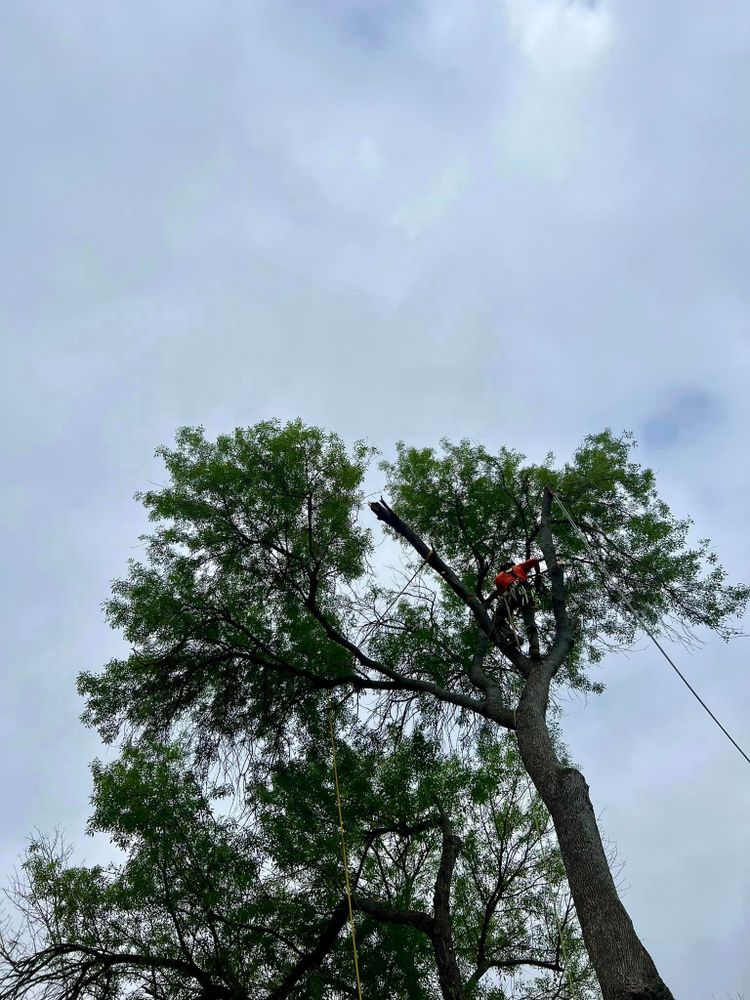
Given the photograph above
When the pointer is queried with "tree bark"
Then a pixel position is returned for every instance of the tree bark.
(449, 975)
(624, 968)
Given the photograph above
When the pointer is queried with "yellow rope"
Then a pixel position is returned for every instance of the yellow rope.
(342, 835)
(342, 832)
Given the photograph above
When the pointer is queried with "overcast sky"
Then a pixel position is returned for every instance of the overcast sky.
(519, 221)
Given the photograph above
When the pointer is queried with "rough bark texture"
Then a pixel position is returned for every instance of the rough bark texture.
(623, 966)
(451, 987)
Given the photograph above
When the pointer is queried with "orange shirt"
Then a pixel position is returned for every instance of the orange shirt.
(520, 571)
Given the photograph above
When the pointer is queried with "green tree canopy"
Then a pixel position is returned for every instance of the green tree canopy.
(257, 592)
(258, 601)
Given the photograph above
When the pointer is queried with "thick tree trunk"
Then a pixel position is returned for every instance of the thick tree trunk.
(449, 974)
(623, 967)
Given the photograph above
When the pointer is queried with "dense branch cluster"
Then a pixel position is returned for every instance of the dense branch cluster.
(455, 882)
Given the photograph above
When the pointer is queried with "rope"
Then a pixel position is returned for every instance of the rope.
(342, 835)
(648, 631)
(406, 586)
(342, 832)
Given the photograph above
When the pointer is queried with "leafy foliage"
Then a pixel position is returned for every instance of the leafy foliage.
(256, 605)
(257, 594)
(228, 901)
(482, 509)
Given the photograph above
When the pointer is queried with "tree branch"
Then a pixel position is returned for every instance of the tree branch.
(384, 513)
(563, 632)
(406, 830)
(491, 708)
(44, 965)
(451, 847)
(312, 959)
(401, 681)
(511, 963)
(390, 914)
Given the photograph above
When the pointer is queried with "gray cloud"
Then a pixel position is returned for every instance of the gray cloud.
(688, 414)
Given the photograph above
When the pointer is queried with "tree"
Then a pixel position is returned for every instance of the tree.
(258, 601)
(455, 878)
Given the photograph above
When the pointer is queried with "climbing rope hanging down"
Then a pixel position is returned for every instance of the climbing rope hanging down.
(646, 629)
(342, 835)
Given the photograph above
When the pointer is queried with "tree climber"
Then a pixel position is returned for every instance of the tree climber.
(511, 576)
(511, 583)
(512, 590)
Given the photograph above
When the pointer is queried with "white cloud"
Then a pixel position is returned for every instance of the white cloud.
(561, 48)
(560, 36)
(416, 216)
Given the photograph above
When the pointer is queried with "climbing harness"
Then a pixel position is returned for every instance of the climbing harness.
(646, 629)
(342, 836)
(522, 596)
(509, 616)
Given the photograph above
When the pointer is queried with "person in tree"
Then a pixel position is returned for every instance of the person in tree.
(511, 583)
(512, 590)
(510, 575)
